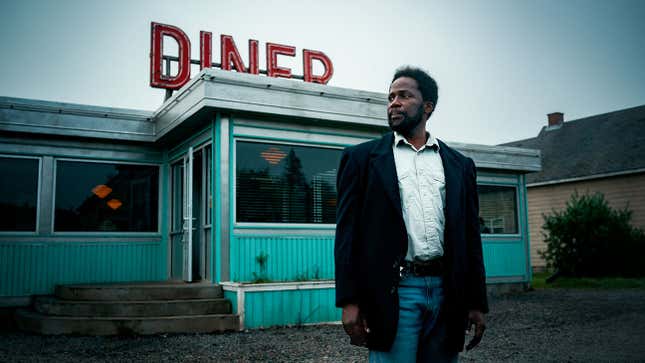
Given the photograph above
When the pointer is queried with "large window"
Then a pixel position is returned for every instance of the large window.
(96, 197)
(18, 194)
(497, 209)
(280, 183)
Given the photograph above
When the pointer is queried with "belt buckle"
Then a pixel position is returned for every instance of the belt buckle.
(426, 268)
(415, 269)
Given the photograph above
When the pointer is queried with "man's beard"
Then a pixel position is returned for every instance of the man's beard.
(408, 124)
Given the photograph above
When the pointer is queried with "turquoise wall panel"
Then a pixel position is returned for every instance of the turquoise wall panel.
(507, 258)
(232, 297)
(299, 258)
(290, 307)
(28, 268)
(289, 258)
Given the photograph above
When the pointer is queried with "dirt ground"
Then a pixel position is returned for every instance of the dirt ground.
(556, 325)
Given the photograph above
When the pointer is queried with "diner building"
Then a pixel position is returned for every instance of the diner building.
(230, 182)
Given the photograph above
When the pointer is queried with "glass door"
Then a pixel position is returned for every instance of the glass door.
(177, 225)
(191, 215)
(187, 228)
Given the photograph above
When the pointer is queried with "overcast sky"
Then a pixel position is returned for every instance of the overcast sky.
(501, 65)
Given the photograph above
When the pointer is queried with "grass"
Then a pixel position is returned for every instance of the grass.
(539, 282)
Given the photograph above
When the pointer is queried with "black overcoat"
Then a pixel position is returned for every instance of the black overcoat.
(371, 240)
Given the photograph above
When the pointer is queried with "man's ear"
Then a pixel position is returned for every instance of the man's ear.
(428, 106)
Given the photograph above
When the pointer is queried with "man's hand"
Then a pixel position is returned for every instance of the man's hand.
(475, 317)
(355, 325)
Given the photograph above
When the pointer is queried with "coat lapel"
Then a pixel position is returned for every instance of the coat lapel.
(382, 165)
(452, 172)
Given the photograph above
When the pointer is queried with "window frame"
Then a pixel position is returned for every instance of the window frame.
(171, 202)
(515, 187)
(233, 187)
(39, 188)
(102, 233)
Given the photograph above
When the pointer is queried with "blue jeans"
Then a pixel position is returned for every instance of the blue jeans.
(421, 333)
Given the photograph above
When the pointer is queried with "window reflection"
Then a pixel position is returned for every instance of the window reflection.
(106, 197)
(18, 194)
(277, 183)
(497, 209)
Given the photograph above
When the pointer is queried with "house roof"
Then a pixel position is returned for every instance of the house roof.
(598, 145)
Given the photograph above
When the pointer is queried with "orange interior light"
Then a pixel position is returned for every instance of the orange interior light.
(273, 155)
(114, 203)
(101, 191)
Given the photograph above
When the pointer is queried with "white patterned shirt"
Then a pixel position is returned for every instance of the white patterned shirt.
(422, 188)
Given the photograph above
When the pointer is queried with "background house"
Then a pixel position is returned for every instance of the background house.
(602, 153)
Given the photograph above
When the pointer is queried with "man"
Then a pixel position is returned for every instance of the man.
(409, 268)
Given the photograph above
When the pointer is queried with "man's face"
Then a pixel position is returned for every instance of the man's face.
(406, 109)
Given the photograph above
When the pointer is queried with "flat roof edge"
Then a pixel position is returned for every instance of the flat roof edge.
(28, 104)
(264, 82)
(55, 118)
(501, 157)
(286, 97)
(511, 150)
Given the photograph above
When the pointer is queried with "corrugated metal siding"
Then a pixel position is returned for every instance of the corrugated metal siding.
(177, 257)
(36, 268)
(294, 258)
(290, 258)
(290, 307)
(505, 258)
(232, 297)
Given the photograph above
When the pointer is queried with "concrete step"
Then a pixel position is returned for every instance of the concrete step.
(50, 305)
(139, 291)
(31, 321)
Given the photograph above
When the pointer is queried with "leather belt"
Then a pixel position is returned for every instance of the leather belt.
(432, 267)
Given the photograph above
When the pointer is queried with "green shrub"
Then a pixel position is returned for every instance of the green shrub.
(588, 238)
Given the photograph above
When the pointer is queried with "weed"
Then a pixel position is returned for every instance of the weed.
(261, 277)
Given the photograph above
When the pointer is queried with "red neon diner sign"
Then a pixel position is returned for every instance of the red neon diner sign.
(230, 58)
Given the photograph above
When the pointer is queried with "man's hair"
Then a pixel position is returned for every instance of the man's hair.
(427, 84)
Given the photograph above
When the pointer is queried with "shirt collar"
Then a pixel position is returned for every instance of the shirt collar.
(431, 142)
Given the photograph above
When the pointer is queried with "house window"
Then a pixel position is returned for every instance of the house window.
(281, 183)
(18, 194)
(106, 197)
(497, 209)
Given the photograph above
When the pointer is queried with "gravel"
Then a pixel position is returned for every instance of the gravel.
(555, 325)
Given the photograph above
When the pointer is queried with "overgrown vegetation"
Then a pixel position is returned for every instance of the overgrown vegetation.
(306, 277)
(261, 277)
(589, 238)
